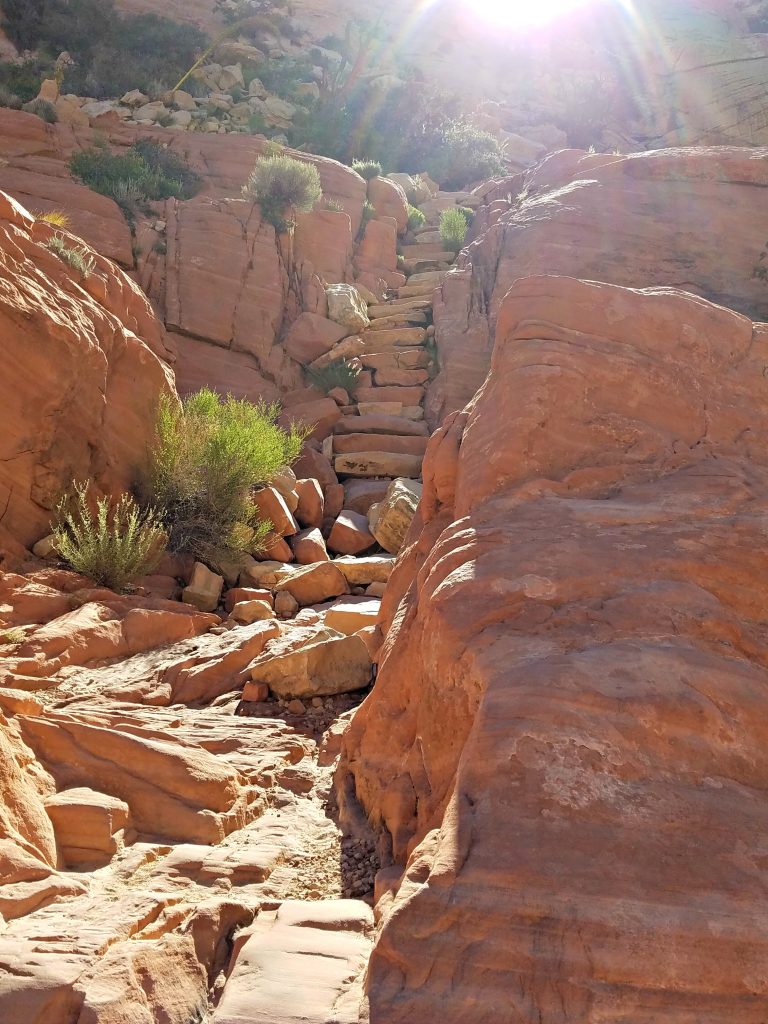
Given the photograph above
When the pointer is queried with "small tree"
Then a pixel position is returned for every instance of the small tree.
(209, 456)
(112, 543)
(453, 229)
(283, 187)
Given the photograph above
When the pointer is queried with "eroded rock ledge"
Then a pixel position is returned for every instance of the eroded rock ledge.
(567, 739)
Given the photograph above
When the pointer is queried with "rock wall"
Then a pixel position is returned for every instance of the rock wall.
(687, 218)
(567, 738)
(216, 273)
(85, 361)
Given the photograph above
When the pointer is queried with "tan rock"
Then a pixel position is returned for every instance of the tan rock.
(45, 548)
(352, 614)
(346, 444)
(350, 534)
(366, 570)
(286, 605)
(312, 661)
(346, 306)
(381, 425)
(389, 199)
(285, 481)
(315, 584)
(391, 518)
(247, 612)
(89, 826)
(309, 547)
(378, 464)
(204, 590)
(237, 594)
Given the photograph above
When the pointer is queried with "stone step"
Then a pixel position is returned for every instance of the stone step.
(369, 464)
(428, 236)
(403, 337)
(343, 444)
(430, 278)
(406, 396)
(429, 251)
(427, 266)
(410, 412)
(387, 323)
(380, 425)
(396, 307)
(396, 359)
(400, 378)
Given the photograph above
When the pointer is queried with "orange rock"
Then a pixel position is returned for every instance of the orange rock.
(237, 594)
(389, 200)
(334, 500)
(273, 509)
(311, 336)
(350, 534)
(310, 508)
(599, 523)
(315, 584)
(309, 547)
(320, 416)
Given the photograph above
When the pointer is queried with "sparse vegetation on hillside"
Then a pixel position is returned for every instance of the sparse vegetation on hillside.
(42, 109)
(111, 52)
(146, 172)
(283, 186)
(367, 169)
(453, 229)
(77, 258)
(210, 454)
(112, 543)
(416, 218)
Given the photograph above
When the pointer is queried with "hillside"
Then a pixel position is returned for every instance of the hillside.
(382, 494)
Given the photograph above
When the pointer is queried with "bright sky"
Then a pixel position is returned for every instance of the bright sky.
(522, 13)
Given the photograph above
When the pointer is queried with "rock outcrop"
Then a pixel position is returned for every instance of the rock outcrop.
(85, 363)
(686, 218)
(565, 746)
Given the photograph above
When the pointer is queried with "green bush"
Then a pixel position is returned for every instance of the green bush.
(283, 186)
(9, 99)
(453, 229)
(208, 457)
(367, 169)
(341, 374)
(369, 212)
(113, 545)
(42, 109)
(112, 52)
(416, 218)
(456, 153)
(78, 259)
(146, 172)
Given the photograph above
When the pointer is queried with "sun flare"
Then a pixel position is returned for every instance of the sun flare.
(522, 13)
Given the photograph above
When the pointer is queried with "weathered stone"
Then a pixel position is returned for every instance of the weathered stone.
(247, 612)
(204, 590)
(315, 584)
(286, 605)
(366, 570)
(350, 534)
(391, 518)
(346, 307)
(309, 547)
(311, 336)
(352, 614)
(312, 661)
(378, 464)
(88, 826)
(309, 510)
(273, 509)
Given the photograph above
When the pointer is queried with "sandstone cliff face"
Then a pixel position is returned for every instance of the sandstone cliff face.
(567, 739)
(85, 362)
(688, 218)
(225, 287)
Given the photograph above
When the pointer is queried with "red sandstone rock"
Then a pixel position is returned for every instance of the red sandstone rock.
(309, 511)
(350, 534)
(309, 547)
(389, 200)
(594, 508)
(311, 336)
(273, 509)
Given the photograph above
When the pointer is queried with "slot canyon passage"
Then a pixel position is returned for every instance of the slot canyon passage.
(383, 512)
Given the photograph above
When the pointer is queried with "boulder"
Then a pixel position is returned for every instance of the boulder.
(360, 572)
(350, 534)
(360, 494)
(346, 307)
(334, 500)
(247, 612)
(273, 509)
(284, 481)
(309, 510)
(204, 590)
(389, 200)
(311, 336)
(391, 518)
(312, 661)
(309, 547)
(89, 826)
(315, 584)
(286, 605)
(352, 614)
(237, 594)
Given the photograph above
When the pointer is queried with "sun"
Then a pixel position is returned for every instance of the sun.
(522, 13)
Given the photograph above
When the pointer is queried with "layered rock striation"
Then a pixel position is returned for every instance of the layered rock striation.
(566, 743)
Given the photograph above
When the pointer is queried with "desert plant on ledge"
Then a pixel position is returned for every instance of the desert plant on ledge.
(78, 259)
(453, 229)
(283, 186)
(367, 169)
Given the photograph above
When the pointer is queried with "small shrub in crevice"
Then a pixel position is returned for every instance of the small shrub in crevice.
(416, 218)
(42, 109)
(367, 169)
(112, 543)
(282, 187)
(10, 99)
(209, 455)
(369, 212)
(57, 218)
(453, 229)
(341, 374)
(79, 259)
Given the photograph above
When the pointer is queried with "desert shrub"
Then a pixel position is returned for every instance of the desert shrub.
(334, 205)
(283, 186)
(453, 229)
(416, 218)
(112, 52)
(341, 374)
(13, 637)
(146, 172)
(456, 153)
(77, 258)
(112, 543)
(57, 218)
(209, 455)
(367, 169)
(42, 109)
(369, 212)
(9, 98)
